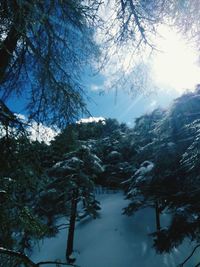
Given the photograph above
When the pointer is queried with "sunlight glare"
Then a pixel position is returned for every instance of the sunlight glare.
(176, 65)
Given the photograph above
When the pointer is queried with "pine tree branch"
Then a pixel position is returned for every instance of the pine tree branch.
(18, 255)
(25, 259)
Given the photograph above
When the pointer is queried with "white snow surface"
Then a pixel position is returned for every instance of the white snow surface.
(114, 240)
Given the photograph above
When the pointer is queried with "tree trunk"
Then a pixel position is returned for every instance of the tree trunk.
(70, 240)
(157, 210)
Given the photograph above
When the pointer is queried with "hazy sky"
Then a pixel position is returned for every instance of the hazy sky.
(174, 69)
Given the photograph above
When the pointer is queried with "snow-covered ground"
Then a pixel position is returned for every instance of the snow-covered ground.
(114, 240)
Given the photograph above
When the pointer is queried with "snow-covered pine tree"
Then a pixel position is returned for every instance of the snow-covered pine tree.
(73, 182)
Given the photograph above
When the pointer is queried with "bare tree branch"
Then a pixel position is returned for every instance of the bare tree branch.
(192, 253)
(55, 262)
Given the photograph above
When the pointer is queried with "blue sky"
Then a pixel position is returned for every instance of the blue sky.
(122, 106)
(125, 107)
(174, 69)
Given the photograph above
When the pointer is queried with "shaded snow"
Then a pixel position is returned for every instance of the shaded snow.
(113, 240)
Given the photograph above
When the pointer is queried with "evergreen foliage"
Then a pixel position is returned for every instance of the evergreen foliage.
(156, 163)
(171, 144)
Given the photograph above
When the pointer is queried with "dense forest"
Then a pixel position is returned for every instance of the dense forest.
(51, 52)
(155, 163)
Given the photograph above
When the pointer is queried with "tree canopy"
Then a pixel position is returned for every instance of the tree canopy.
(46, 48)
(156, 163)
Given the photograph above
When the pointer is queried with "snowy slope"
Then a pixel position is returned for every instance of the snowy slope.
(113, 240)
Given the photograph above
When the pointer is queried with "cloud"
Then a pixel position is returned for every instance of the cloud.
(38, 131)
(91, 119)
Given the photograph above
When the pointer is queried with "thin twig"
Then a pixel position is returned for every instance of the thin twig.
(192, 253)
(55, 262)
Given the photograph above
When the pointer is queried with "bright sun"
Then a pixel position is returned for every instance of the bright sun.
(176, 66)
